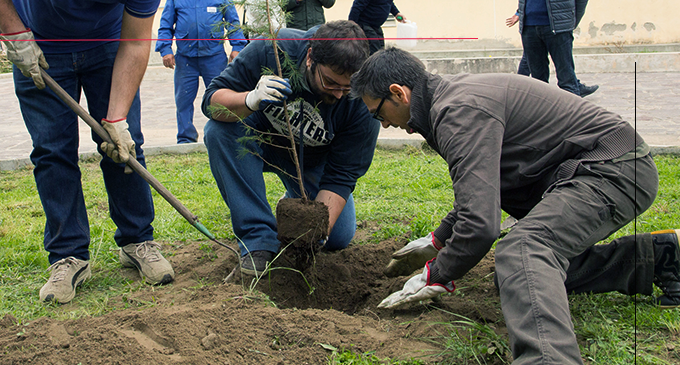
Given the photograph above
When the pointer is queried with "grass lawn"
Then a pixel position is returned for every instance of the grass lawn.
(405, 190)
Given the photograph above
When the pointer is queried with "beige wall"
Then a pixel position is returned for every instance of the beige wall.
(605, 22)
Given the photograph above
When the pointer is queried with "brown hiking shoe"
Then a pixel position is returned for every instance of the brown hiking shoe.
(147, 258)
(66, 275)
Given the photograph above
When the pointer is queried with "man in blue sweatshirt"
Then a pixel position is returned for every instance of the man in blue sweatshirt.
(198, 26)
(77, 51)
(371, 15)
(547, 28)
(338, 133)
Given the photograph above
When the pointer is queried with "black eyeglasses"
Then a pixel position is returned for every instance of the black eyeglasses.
(332, 88)
(377, 111)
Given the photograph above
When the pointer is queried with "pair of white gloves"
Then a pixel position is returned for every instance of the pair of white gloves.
(24, 53)
(418, 253)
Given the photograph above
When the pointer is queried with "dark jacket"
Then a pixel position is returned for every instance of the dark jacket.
(307, 13)
(372, 12)
(506, 139)
(564, 15)
(341, 136)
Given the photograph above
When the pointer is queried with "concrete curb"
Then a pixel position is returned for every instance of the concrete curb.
(181, 149)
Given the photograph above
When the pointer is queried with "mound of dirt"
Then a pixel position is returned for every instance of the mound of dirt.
(288, 317)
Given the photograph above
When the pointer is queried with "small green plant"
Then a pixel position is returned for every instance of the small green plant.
(347, 357)
(472, 342)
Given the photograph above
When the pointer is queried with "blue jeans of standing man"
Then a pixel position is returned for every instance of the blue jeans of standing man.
(538, 42)
(240, 179)
(53, 127)
(187, 72)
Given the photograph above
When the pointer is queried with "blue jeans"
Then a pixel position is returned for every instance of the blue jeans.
(53, 127)
(538, 42)
(239, 177)
(187, 72)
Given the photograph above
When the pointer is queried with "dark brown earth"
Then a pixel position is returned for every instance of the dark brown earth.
(301, 225)
(289, 317)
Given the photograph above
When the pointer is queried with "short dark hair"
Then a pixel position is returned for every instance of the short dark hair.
(384, 68)
(341, 55)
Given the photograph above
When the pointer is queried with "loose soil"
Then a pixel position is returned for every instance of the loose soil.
(288, 317)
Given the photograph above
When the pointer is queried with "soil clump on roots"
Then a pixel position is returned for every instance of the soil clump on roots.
(302, 225)
(289, 316)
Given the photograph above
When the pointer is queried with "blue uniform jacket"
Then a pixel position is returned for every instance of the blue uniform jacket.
(342, 136)
(195, 26)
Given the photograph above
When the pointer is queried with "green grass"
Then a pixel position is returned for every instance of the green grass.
(5, 65)
(405, 190)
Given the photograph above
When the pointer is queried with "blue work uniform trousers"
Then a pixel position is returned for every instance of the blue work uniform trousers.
(187, 72)
(552, 251)
(539, 41)
(240, 179)
(53, 127)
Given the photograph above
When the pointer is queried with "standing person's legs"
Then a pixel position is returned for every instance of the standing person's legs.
(533, 260)
(523, 68)
(130, 202)
(53, 127)
(186, 88)
(212, 66)
(560, 47)
(375, 36)
(536, 52)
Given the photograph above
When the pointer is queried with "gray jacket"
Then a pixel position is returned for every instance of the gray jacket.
(565, 15)
(506, 138)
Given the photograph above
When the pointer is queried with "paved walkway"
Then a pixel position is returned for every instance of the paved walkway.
(656, 117)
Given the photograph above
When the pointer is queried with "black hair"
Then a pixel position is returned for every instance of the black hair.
(384, 68)
(340, 45)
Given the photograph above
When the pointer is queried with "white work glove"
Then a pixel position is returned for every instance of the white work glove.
(23, 52)
(412, 256)
(123, 146)
(416, 289)
(269, 90)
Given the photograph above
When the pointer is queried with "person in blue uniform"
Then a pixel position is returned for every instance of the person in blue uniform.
(198, 26)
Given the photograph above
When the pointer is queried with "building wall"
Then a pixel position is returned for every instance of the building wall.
(606, 22)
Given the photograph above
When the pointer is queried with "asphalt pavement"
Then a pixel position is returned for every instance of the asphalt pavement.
(650, 101)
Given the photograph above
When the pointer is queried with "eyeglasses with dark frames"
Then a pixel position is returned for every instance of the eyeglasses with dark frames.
(377, 111)
(332, 88)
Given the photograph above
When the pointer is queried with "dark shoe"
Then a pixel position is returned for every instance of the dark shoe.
(257, 263)
(587, 90)
(667, 267)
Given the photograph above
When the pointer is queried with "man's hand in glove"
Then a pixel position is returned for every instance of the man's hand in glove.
(412, 256)
(23, 52)
(123, 146)
(269, 90)
(417, 288)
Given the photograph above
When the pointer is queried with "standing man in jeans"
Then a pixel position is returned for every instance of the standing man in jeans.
(109, 73)
(547, 28)
(198, 27)
(371, 15)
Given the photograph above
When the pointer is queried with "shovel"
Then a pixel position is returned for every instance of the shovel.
(132, 163)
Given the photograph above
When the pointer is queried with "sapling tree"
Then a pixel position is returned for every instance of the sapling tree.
(267, 17)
